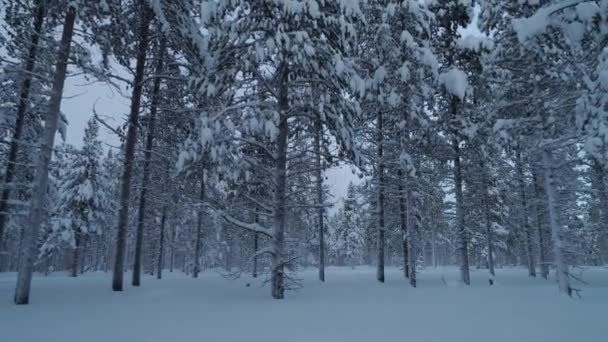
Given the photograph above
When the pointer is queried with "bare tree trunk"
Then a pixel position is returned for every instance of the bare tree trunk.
(29, 251)
(161, 244)
(280, 193)
(524, 215)
(24, 97)
(540, 219)
(125, 188)
(199, 230)
(488, 185)
(255, 249)
(602, 195)
(460, 223)
(76, 254)
(381, 238)
(403, 223)
(563, 276)
(412, 226)
(141, 217)
(319, 189)
(172, 255)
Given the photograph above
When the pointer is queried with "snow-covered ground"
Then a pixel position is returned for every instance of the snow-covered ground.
(351, 306)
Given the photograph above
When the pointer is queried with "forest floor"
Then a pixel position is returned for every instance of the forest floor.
(351, 306)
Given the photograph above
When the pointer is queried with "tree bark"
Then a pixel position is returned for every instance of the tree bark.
(381, 237)
(141, 217)
(403, 224)
(488, 184)
(172, 255)
(199, 230)
(602, 196)
(563, 276)
(524, 215)
(29, 250)
(540, 219)
(319, 189)
(125, 188)
(76, 254)
(161, 244)
(460, 223)
(412, 226)
(255, 249)
(280, 193)
(24, 96)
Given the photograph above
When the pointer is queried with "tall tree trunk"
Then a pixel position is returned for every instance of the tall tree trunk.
(381, 238)
(29, 250)
(412, 226)
(161, 244)
(24, 96)
(524, 215)
(280, 193)
(563, 276)
(463, 249)
(403, 223)
(199, 229)
(255, 249)
(76, 254)
(141, 214)
(602, 196)
(172, 254)
(488, 186)
(319, 189)
(540, 219)
(125, 186)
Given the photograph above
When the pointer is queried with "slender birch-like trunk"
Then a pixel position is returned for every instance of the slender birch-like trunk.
(29, 250)
(131, 141)
(24, 96)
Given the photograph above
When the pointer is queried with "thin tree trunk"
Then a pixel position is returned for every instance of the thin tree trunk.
(280, 193)
(403, 224)
(125, 188)
(141, 217)
(461, 227)
(563, 277)
(172, 256)
(488, 186)
(199, 230)
(24, 96)
(30, 240)
(412, 226)
(319, 189)
(540, 215)
(161, 244)
(602, 195)
(76, 254)
(255, 249)
(381, 238)
(524, 215)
